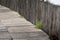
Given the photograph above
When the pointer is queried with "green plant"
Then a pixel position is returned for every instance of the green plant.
(39, 25)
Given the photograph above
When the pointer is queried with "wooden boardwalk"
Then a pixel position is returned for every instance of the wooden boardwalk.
(15, 27)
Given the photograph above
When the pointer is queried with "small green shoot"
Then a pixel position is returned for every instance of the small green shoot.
(39, 25)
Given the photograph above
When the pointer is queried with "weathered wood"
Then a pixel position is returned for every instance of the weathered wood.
(36, 10)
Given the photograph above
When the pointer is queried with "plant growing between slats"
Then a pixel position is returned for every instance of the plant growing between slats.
(39, 25)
